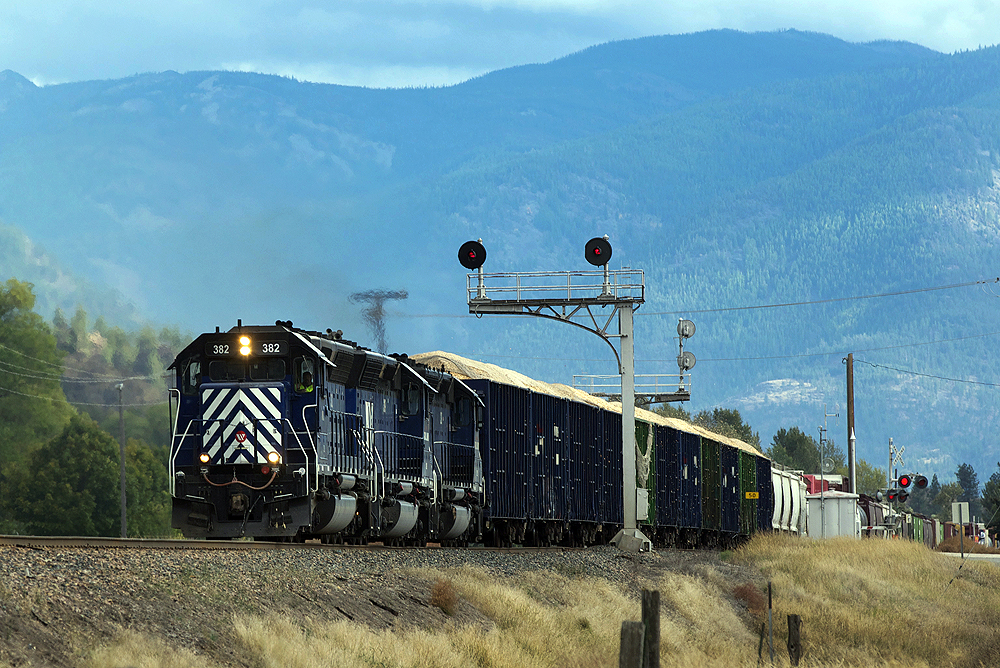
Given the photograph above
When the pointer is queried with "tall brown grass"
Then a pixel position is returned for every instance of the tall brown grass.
(863, 603)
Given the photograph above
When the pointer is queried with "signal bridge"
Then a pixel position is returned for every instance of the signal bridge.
(561, 295)
(581, 294)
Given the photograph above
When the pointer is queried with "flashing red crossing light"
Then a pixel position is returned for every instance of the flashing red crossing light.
(905, 480)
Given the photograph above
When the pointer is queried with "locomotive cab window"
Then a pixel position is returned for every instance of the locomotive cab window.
(223, 370)
(191, 377)
(271, 368)
(305, 374)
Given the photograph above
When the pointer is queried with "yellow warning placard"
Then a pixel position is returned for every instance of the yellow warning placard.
(753, 495)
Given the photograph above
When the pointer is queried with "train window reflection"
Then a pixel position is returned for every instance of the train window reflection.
(267, 369)
(219, 370)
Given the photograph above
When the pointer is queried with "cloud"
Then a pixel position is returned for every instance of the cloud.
(422, 42)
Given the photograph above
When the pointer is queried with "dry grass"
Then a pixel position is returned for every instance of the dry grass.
(134, 650)
(874, 602)
(863, 603)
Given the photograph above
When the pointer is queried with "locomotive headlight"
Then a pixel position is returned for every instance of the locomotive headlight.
(244, 345)
(274, 458)
(204, 457)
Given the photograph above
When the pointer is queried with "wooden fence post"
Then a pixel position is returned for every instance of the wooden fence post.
(651, 622)
(630, 654)
(794, 639)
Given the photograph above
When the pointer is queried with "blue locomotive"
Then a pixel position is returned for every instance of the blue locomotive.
(285, 434)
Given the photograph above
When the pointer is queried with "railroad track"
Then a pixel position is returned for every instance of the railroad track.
(188, 544)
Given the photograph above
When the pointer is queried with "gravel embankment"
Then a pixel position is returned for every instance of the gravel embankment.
(56, 602)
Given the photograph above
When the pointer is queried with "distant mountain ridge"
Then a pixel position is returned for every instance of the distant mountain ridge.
(736, 169)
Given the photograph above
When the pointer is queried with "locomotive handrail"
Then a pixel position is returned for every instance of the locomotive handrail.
(312, 444)
(173, 459)
(463, 446)
(375, 461)
(397, 435)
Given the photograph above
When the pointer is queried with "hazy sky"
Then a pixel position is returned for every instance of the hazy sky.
(384, 43)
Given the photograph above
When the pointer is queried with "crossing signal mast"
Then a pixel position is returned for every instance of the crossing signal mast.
(566, 295)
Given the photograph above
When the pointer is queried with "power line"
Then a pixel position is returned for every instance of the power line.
(751, 359)
(53, 364)
(825, 301)
(75, 403)
(926, 375)
(750, 308)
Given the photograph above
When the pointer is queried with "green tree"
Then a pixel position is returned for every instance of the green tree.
(991, 501)
(148, 499)
(868, 479)
(798, 450)
(33, 408)
(728, 422)
(71, 484)
(969, 481)
(670, 411)
(942, 502)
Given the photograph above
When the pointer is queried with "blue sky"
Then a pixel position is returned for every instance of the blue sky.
(387, 43)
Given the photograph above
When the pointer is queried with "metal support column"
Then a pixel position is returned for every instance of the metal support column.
(630, 538)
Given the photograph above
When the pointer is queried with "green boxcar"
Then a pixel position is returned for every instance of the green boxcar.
(711, 489)
(748, 493)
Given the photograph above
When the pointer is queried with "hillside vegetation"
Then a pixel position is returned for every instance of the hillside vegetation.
(735, 169)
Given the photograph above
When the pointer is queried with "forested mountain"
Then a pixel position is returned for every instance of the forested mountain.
(736, 169)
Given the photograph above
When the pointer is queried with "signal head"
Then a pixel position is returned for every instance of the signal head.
(472, 254)
(920, 482)
(598, 251)
(892, 494)
(905, 480)
(903, 496)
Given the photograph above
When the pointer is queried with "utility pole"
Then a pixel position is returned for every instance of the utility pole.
(852, 472)
(121, 449)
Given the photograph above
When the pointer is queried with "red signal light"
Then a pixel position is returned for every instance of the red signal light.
(472, 255)
(904, 481)
(598, 251)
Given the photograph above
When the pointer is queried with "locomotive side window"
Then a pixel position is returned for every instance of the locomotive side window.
(191, 377)
(462, 417)
(220, 370)
(305, 374)
(410, 403)
(271, 368)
